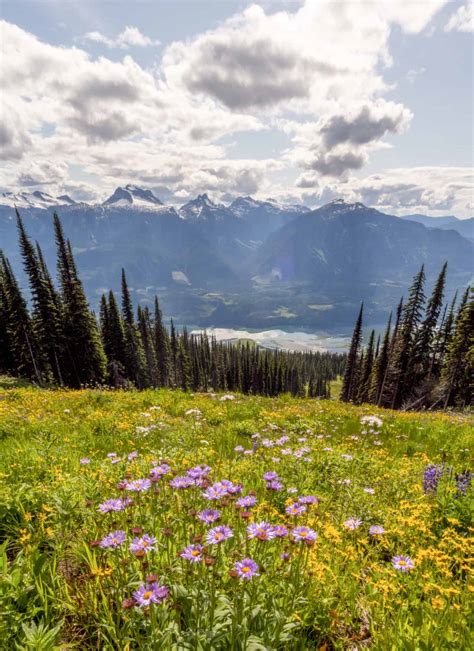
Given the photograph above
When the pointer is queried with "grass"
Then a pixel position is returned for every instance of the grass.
(61, 590)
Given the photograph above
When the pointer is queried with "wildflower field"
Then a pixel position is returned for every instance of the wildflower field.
(164, 520)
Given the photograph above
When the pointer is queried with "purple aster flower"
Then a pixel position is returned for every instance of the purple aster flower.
(304, 534)
(113, 539)
(138, 485)
(246, 502)
(268, 443)
(370, 491)
(143, 545)
(352, 523)
(280, 531)
(84, 461)
(192, 553)
(261, 531)
(376, 530)
(403, 563)
(274, 485)
(246, 569)
(295, 509)
(234, 489)
(215, 492)
(307, 499)
(133, 455)
(114, 504)
(199, 472)
(183, 481)
(209, 515)
(111, 455)
(282, 440)
(150, 593)
(239, 448)
(159, 471)
(270, 476)
(218, 534)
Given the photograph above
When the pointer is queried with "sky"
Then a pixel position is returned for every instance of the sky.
(300, 101)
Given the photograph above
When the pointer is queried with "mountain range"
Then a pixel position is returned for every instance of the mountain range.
(250, 263)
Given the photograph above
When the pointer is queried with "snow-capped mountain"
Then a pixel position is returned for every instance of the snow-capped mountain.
(133, 196)
(34, 199)
(202, 207)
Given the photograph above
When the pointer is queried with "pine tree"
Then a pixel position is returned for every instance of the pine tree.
(24, 348)
(458, 372)
(85, 354)
(401, 372)
(350, 374)
(162, 348)
(135, 364)
(424, 338)
(366, 370)
(380, 366)
(46, 314)
(146, 335)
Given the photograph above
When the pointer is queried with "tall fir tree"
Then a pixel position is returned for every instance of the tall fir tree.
(380, 366)
(348, 392)
(162, 347)
(458, 374)
(365, 372)
(133, 353)
(85, 354)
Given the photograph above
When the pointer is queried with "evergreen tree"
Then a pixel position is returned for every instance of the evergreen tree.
(134, 358)
(146, 334)
(46, 314)
(348, 391)
(365, 372)
(85, 355)
(424, 338)
(380, 366)
(162, 348)
(458, 373)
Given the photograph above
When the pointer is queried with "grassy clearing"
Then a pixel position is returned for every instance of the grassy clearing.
(61, 589)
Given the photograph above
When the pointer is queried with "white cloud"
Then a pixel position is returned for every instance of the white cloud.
(129, 37)
(314, 72)
(462, 20)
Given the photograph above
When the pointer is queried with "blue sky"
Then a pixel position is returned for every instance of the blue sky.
(300, 101)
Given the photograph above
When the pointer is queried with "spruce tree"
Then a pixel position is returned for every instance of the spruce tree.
(350, 373)
(162, 348)
(380, 366)
(85, 354)
(458, 373)
(366, 370)
(134, 357)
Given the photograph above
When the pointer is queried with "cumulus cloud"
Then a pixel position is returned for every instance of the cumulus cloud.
(314, 72)
(462, 20)
(129, 37)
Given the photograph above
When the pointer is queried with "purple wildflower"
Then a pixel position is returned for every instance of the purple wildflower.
(261, 531)
(352, 523)
(370, 491)
(239, 448)
(143, 545)
(151, 593)
(84, 461)
(199, 472)
(246, 502)
(295, 509)
(114, 504)
(159, 471)
(246, 569)
(209, 515)
(307, 499)
(192, 553)
(376, 530)
(133, 455)
(431, 476)
(270, 476)
(463, 482)
(403, 563)
(274, 485)
(304, 534)
(138, 485)
(218, 534)
(113, 539)
(183, 481)
(280, 531)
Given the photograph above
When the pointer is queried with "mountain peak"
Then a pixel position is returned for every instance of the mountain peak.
(132, 195)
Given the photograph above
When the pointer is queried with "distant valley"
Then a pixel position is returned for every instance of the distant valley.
(250, 264)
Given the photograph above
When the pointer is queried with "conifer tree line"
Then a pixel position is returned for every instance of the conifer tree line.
(424, 361)
(55, 339)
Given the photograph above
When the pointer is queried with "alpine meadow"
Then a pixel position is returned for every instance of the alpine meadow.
(236, 325)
